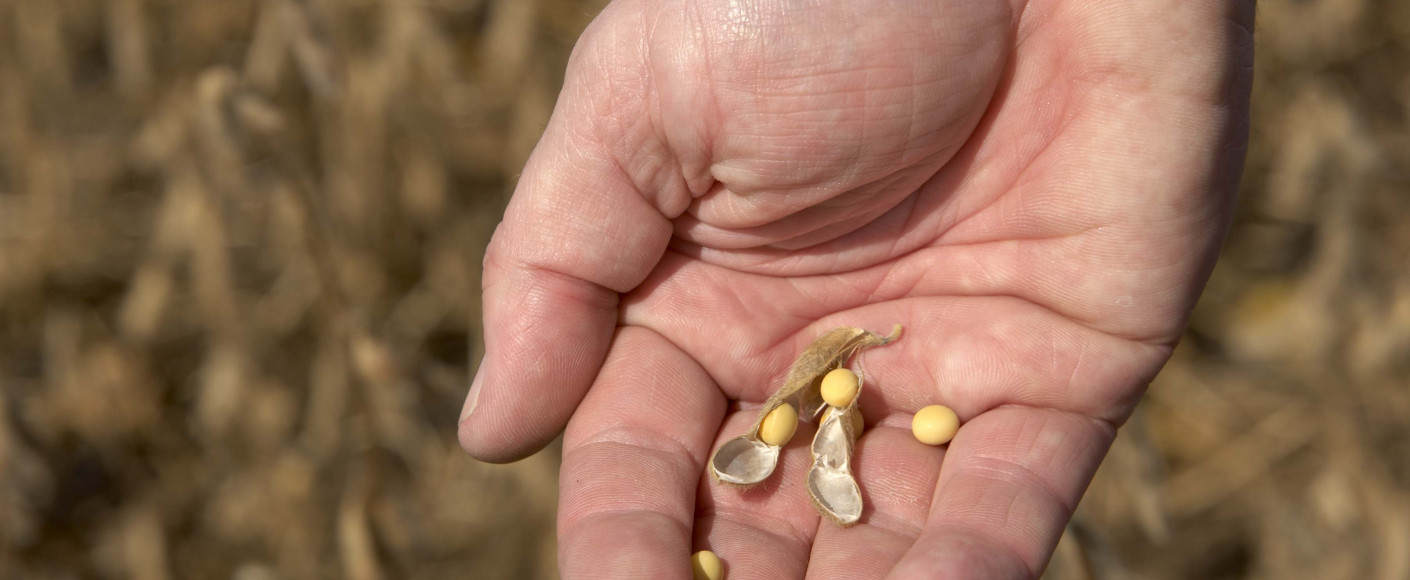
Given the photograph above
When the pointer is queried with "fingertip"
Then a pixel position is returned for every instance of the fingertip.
(491, 448)
(546, 336)
(506, 418)
(470, 440)
(479, 442)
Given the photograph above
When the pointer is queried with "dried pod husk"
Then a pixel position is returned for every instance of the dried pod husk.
(745, 460)
(830, 482)
(858, 424)
(828, 352)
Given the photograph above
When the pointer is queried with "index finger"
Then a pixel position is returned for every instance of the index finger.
(632, 457)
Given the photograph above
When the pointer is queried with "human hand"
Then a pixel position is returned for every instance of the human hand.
(1035, 190)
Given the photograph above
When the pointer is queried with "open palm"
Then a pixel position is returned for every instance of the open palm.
(1035, 190)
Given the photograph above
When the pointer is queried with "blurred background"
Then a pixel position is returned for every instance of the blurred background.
(239, 269)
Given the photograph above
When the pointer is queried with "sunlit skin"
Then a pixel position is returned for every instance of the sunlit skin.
(1035, 190)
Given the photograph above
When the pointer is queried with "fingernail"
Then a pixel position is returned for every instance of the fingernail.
(473, 396)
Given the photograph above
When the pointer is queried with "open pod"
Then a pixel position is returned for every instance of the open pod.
(747, 459)
(830, 482)
(744, 461)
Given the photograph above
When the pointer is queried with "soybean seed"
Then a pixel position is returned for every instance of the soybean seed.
(935, 425)
(705, 565)
(778, 426)
(839, 387)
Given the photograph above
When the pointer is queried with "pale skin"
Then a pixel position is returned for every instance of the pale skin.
(1036, 190)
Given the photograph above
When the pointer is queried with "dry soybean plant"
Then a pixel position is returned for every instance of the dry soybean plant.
(239, 253)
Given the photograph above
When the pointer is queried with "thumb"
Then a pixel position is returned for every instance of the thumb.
(576, 234)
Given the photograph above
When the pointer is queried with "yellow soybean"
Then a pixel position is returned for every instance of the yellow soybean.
(839, 387)
(935, 425)
(779, 425)
(705, 565)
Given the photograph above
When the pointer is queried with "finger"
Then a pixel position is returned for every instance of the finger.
(897, 478)
(762, 531)
(632, 457)
(1010, 482)
(576, 233)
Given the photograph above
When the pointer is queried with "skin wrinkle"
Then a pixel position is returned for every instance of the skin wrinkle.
(1060, 294)
(705, 178)
(915, 109)
(779, 528)
(907, 206)
(965, 535)
(1014, 184)
(829, 221)
(692, 181)
(538, 361)
(1109, 428)
(1087, 319)
(1022, 387)
(809, 261)
(1102, 76)
(644, 438)
(851, 167)
(890, 524)
(1018, 176)
(714, 380)
(769, 356)
(651, 183)
(891, 266)
(574, 511)
(610, 513)
(1004, 470)
(1076, 366)
(519, 336)
(895, 474)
